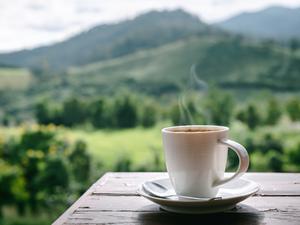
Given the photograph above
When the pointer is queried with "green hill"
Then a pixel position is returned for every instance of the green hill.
(110, 41)
(227, 61)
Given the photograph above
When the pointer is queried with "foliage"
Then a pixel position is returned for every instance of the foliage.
(123, 164)
(12, 185)
(34, 169)
(294, 155)
(269, 143)
(273, 112)
(174, 113)
(119, 112)
(293, 109)
(250, 116)
(74, 112)
(80, 162)
(275, 161)
(125, 112)
(148, 115)
(100, 113)
(220, 106)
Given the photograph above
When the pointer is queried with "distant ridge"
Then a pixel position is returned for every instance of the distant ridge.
(275, 22)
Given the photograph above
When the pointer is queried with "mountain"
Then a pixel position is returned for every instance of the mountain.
(274, 22)
(226, 61)
(104, 42)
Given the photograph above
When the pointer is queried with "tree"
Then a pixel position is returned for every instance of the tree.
(270, 143)
(45, 113)
(41, 139)
(220, 106)
(253, 118)
(80, 162)
(12, 185)
(175, 114)
(249, 116)
(125, 112)
(74, 112)
(42, 113)
(148, 115)
(294, 155)
(293, 109)
(6, 120)
(31, 165)
(98, 114)
(273, 112)
(35, 172)
(250, 145)
(54, 178)
(275, 161)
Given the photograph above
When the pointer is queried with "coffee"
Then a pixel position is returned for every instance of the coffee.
(193, 130)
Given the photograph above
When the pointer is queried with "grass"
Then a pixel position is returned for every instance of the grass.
(15, 78)
(108, 146)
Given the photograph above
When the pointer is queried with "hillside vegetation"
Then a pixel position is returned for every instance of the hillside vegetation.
(223, 60)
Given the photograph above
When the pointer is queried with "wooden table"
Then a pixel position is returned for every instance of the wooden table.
(113, 200)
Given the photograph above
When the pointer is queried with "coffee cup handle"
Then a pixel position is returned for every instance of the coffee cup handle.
(243, 160)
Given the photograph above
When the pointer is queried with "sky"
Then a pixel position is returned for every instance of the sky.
(31, 23)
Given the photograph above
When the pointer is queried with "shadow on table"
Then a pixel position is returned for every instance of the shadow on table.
(242, 214)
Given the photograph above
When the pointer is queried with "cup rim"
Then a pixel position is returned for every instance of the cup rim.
(217, 128)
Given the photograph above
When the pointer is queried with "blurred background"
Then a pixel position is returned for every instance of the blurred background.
(86, 86)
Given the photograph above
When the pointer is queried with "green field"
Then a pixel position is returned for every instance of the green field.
(108, 146)
(15, 78)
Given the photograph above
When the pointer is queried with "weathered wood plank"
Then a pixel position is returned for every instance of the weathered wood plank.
(148, 218)
(113, 200)
(60, 220)
(273, 184)
(256, 210)
(140, 204)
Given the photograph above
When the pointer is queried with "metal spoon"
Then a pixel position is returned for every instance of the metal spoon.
(158, 190)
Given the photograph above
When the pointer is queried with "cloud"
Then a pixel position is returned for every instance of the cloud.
(29, 23)
(36, 6)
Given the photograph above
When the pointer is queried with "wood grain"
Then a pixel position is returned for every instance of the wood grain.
(113, 200)
(272, 184)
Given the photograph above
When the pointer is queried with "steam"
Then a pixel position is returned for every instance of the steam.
(195, 83)
(186, 117)
(194, 86)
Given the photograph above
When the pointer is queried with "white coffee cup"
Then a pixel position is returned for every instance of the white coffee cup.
(196, 157)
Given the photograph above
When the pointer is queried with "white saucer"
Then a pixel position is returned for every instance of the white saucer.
(231, 193)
